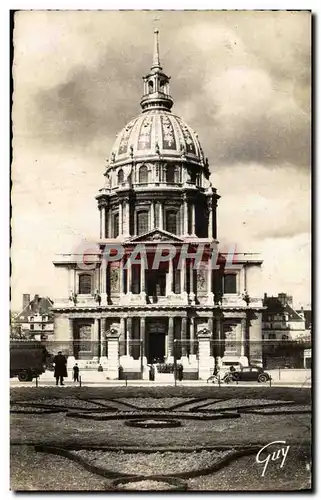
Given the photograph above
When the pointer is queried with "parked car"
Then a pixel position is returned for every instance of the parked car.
(250, 373)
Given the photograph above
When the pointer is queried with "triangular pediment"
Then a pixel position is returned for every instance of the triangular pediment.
(157, 235)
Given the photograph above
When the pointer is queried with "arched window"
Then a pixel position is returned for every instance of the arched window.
(170, 173)
(150, 87)
(142, 222)
(143, 174)
(171, 221)
(120, 176)
(84, 284)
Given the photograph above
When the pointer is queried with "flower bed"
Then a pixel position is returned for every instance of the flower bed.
(150, 484)
(69, 402)
(280, 410)
(153, 423)
(143, 403)
(239, 403)
(103, 415)
(147, 464)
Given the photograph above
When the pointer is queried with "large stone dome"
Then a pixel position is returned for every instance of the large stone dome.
(154, 134)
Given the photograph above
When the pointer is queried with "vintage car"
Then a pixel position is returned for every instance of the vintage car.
(250, 373)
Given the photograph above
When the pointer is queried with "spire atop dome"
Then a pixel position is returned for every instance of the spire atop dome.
(156, 61)
(156, 84)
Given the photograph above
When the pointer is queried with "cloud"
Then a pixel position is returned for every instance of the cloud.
(245, 104)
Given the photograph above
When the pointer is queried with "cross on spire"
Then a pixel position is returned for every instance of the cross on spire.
(156, 61)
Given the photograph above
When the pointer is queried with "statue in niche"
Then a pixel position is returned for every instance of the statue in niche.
(114, 279)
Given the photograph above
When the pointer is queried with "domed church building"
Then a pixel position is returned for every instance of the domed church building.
(139, 296)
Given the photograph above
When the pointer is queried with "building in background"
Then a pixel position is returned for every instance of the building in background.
(285, 333)
(157, 191)
(35, 321)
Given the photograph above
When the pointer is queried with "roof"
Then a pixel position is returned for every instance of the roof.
(275, 306)
(156, 133)
(38, 305)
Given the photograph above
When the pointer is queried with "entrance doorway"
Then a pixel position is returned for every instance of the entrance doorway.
(156, 330)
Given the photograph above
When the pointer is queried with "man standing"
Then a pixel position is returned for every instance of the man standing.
(60, 362)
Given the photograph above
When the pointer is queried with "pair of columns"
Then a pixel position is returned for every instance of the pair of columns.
(126, 325)
(129, 276)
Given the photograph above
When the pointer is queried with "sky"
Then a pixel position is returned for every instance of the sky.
(241, 80)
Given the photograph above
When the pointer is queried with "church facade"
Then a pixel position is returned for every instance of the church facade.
(155, 276)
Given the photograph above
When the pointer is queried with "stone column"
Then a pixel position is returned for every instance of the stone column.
(126, 218)
(192, 335)
(210, 295)
(183, 280)
(101, 210)
(109, 224)
(129, 336)
(255, 339)
(152, 215)
(183, 336)
(193, 219)
(160, 212)
(242, 339)
(185, 217)
(121, 276)
(191, 281)
(122, 337)
(113, 355)
(120, 230)
(142, 279)
(206, 362)
(169, 281)
(170, 335)
(95, 339)
(129, 277)
(142, 334)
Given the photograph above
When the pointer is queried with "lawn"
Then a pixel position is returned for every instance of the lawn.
(91, 446)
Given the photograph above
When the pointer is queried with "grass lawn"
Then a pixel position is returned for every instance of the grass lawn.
(251, 429)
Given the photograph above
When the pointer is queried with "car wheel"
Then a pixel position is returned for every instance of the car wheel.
(263, 378)
(24, 376)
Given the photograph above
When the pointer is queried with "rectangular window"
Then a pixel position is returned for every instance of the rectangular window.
(230, 283)
(32, 327)
(85, 284)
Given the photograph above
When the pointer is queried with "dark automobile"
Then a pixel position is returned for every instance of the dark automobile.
(250, 373)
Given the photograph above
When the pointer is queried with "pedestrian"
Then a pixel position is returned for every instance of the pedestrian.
(152, 373)
(60, 362)
(180, 372)
(75, 373)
